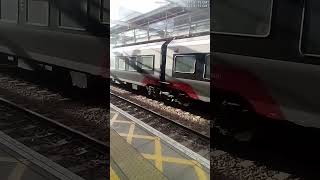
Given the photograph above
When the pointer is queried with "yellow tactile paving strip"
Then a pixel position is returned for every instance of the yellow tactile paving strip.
(171, 163)
(133, 165)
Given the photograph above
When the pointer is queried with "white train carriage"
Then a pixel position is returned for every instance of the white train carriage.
(179, 68)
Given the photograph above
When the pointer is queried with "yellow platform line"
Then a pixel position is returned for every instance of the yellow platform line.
(197, 167)
(157, 156)
(200, 173)
(129, 162)
(138, 136)
(113, 119)
(169, 159)
(113, 175)
(130, 134)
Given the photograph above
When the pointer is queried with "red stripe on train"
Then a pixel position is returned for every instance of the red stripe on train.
(149, 80)
(173, 85)
(248, 86)
(185, 88)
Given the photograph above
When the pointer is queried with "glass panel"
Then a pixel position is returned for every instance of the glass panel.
(157, 30)
(9, 10)
(128, 36)
(112, 64)
(132, 64)
(311, 37)
(207, 68)
(170, 27)
(122, 63)
(185, 64)
(76, 16)
(181, 25)
(250, 17)
(146, 62)
(141, 35)
(200, 21)
(38, 12)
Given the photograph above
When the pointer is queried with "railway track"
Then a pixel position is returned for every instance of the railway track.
(234, 159)
(46, 96)
(277, 150)
(197, 108)
(188, 137)
(76, 151)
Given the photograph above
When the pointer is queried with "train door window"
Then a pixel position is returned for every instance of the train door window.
(311, 28)
(185, 64)
(121, 63)
(132, 63)
(74, 15)
(242, 17)
(207, 67)
(9, 10)
(38, 12)
(146, 62)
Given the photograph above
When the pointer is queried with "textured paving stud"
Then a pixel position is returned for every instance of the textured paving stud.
(168, 160)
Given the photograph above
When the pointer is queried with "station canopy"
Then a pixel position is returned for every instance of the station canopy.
(147, 20)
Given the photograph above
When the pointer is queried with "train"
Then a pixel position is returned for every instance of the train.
(69, 37)
(176, 68)
(266, 58)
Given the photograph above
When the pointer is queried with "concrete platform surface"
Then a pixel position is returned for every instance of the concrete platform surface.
(128, 163)
(171, 159)
(18, 162)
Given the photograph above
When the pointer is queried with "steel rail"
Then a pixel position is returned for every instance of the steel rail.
(74, 133)
(203, 136)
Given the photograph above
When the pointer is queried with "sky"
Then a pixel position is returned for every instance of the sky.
(122, 8)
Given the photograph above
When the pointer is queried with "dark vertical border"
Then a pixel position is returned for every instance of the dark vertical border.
(212, 176)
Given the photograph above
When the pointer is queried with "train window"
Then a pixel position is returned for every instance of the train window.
(146, 62)
(311, 38)
(132, 64)
(121, 63)
(74, 16)
(207, 67)
(9, 10)
(185, 64)
(38, 12)
(242, 17)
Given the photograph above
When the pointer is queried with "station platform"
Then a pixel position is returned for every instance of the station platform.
(139, 151)
(18, 162)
